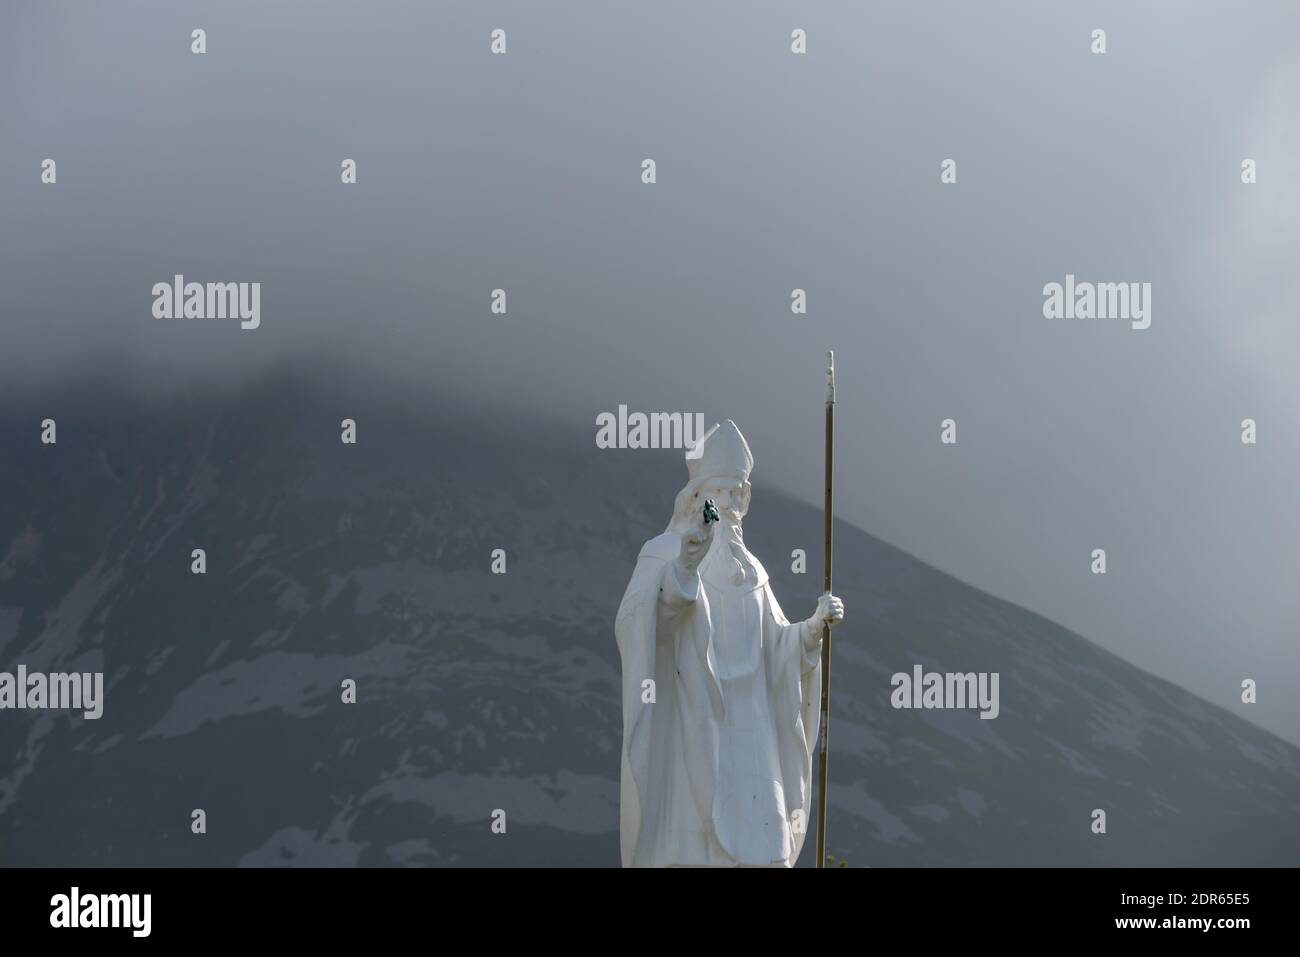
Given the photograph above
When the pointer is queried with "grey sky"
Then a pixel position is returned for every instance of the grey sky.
(775, 171)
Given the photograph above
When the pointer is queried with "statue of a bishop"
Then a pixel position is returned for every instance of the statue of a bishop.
(721, 694)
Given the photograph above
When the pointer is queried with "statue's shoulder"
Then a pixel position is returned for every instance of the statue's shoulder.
(663, 547)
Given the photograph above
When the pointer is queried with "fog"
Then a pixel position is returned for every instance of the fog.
(775, 172)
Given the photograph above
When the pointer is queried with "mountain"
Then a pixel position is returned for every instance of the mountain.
(478, 692)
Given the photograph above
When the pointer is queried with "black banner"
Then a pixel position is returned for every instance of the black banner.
(330, 907)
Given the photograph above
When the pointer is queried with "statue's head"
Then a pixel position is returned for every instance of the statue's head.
(718, 466)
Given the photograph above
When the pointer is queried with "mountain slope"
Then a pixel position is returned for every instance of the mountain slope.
(479, 692)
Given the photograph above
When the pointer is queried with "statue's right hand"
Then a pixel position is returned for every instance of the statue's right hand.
(695, 545)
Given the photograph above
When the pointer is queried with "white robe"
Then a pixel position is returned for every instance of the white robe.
(715, 769)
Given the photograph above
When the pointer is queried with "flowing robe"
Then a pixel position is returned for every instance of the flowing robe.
(717, 770)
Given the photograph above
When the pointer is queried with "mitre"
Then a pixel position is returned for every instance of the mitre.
(721, 452)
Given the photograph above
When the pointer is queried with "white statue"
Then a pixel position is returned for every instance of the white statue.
(717, 752)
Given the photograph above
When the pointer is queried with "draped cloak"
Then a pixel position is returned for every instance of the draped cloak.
(677, 797)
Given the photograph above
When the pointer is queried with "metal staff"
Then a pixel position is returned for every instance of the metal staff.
(826, 628)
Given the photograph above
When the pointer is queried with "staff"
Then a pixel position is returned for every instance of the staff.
(826, 628)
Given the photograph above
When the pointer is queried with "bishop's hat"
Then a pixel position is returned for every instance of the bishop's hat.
(721, 452)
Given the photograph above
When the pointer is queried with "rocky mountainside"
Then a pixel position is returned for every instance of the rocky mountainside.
(478, 692)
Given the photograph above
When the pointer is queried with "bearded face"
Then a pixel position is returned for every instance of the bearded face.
(728, 552)
(729, 497)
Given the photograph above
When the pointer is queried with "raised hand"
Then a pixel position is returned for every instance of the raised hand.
(696, 542)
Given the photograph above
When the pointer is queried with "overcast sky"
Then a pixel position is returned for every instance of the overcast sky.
(775, 171)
